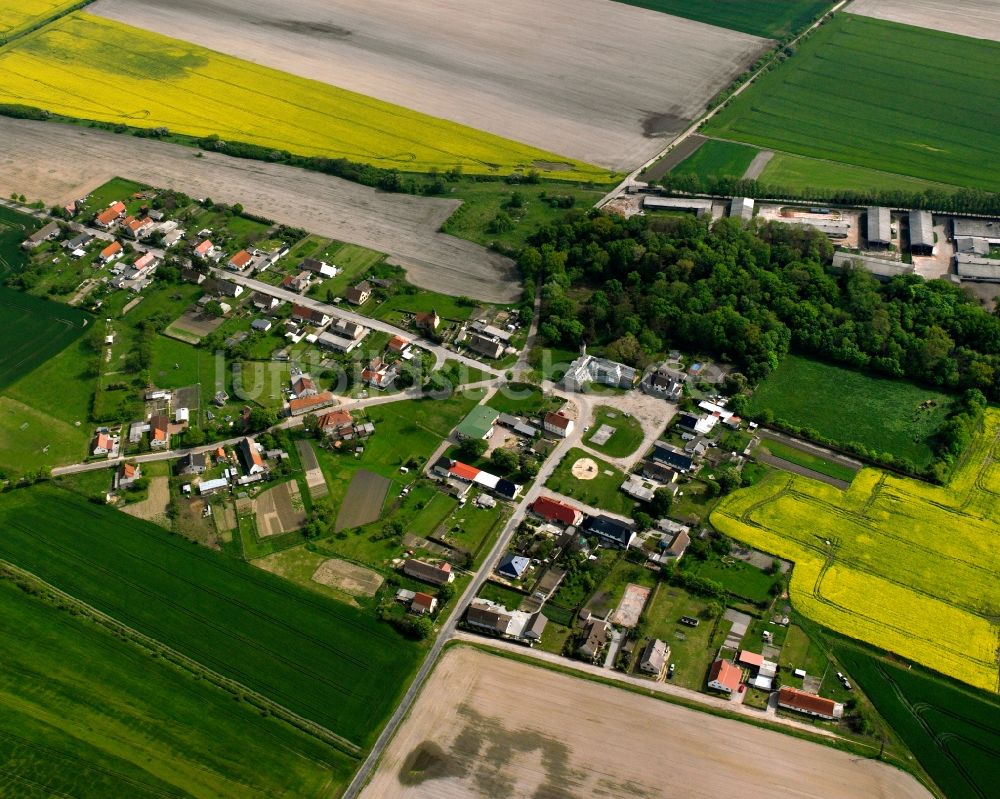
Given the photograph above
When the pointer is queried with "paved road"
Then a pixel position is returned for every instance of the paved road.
(440, 353)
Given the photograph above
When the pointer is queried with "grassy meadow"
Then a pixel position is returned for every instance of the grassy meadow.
(797, 172)
(717, 158)
(773, 19)
(324, 660)
(88, 715)
(155, 81)
(885, 415)
(881, 95)
(624, 441)
(903, 565)
(953, 732)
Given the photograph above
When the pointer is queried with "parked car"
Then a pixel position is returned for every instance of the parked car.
(670, 672)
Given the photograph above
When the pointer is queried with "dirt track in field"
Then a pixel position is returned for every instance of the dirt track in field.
(57, 163)
(594, 80)
(977, 18)
(487, 727)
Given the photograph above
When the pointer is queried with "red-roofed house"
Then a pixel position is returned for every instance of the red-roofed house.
(304, 387)
(398, 344)
(110, 215)
(463, 471)
(302, 313)
(750, 659)
(159, 432)
(558, 424)
(203, 249)
(102, 444)
(297, 407)
(112, 251)
(138, 228)
(145, 261)
(334, 420)
(725, 676)
(252, 461)
(128, 473)
(552, 510)
(423, 603)
(427, 321)
(380, 374)
(810, 704)
(240, 261)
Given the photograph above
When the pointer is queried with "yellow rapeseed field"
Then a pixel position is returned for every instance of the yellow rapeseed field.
(17, 16)
(93, 68)
(906, 566)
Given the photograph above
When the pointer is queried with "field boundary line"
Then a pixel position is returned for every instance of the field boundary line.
(29, 580)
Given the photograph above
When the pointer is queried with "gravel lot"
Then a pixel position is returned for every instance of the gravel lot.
(485, 726)
(589, 79)
(977, 18)
(58, 163)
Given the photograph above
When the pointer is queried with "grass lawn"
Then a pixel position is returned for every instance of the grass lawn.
(473, 529)
(434, 514)
(118, 189)
(322, 659)
(624, 441)
(298, 564)
(807, 460)
(522, 399)
(884, 415)
(797, 172)
(801, 652)
(542, 204)
(717, 158)
(737, 577)
(88, 715)
(691, 648)
(498, 593)
(554, 637)
(603, 491)
(612, 587)
(693, 503)
(773, 19)
(31, 439)
(867, 76)
(176, 364)
(356, 263)
(404, 304)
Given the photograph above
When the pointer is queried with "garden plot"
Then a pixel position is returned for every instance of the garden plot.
(363, 502)
(630, 608)
(977, 18)
(280, 510)
(348, 577)
(592, 80)
(315, 481)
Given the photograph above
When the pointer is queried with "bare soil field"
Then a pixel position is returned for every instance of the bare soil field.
(363, 501)
(348, 577)
(280, 510)
(567, 737)
(154, 507)
(57, 163)
(598, 81)
(193, 325)
(979, 19)
(630, 607)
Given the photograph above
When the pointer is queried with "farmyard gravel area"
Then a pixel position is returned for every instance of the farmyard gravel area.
(55, 162)
(602, 82)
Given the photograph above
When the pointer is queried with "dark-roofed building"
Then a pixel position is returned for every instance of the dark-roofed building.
(507, 489)
(654, 658)
(598, 632)
(879, 227)
(671, 456)
(513, 566)
(921, 233)
(489, 347)
(488, 616)
(657, 471)
(428, 572)
(43, 234)
(535, 627)
(192, 463)
(611, 532)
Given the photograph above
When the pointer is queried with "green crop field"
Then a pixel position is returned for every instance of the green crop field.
(717, 158)
(818, 178)
(32, 331)
(880, 95)
(898, 563)
(773, 19)
(87, 715)
(326, 661)
(884, 415)
(953, 732)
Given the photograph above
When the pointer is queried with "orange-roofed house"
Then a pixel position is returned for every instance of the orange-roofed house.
(463, 471)
(334, 420)
(297, 407)
(810, 704)
(110, 215)
(240, 261)
(159, 432)
(552, 510)
(203, 249)
(112, 251)
(102, 444)
(750, 659)
(725, 676)
(250, 454)
(138, 228)
(423, 603)
(128, 473)
(304, 387)
(398, 344)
